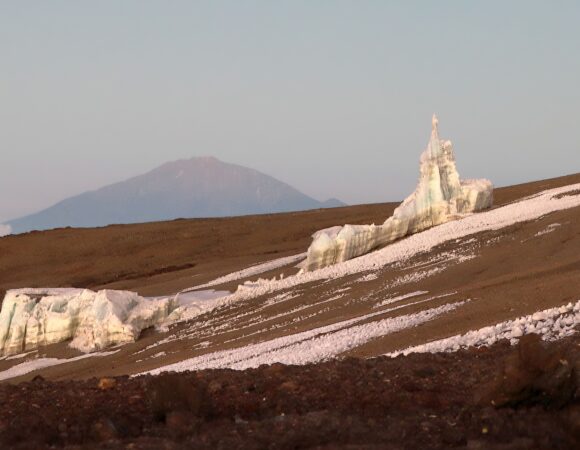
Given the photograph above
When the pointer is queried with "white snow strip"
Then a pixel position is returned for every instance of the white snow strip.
(281, 298)
(309, 346)
(191, 297)
(525, 210)
(41, 363)
(251, 271)
(370, 277)
(19, 356)
(548, 229)
(400, 298)
(551, 324)
(414, 277)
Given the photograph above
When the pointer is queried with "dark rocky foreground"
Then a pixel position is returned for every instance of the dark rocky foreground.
(498, 398)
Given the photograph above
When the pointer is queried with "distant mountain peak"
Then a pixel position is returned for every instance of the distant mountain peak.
(201, 186)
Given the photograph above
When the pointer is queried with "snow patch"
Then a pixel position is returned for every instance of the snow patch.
(310, 346)
(548, 229)
(417, 276)
(251, 271)
(371, 276)
(195, 297)
(525, 210)
(5, 230)
(551, 324)
(41, 363)
(400, 298)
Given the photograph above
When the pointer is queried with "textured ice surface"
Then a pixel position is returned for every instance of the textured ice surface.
(93, 320)
(439, 197)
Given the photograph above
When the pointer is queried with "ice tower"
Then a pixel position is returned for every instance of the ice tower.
(440, 196)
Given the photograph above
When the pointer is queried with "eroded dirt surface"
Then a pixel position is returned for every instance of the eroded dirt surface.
(498, 398)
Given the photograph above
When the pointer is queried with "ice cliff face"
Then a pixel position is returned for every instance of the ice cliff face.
(439, 197)
(93, 320)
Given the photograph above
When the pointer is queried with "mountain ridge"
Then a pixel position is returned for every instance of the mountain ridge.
(187, 188)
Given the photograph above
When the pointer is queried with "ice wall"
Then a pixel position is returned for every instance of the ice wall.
(440, 196)
(93, 320)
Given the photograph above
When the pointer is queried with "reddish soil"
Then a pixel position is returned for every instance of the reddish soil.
(497, 398)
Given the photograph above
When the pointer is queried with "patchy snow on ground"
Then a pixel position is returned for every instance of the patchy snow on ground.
(369, 277)
(41, 363)
(5, 230)
(417, 276)
(525, 210)
(251, 271)
(553, 323)
(310, 346)
(399, 298)
(194, 297)
(94, 320)
(548, 229)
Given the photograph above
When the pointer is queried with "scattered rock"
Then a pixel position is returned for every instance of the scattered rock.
(182, 423)
(38, 379)
(535, 374)
(214, 387)
(107, 383)
(290, 386)
(104, 430)
(173, 392)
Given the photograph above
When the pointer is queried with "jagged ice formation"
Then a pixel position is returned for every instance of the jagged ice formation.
(93, 320)
(439, 197)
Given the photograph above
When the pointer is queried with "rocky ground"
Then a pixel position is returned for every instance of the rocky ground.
(490, 398)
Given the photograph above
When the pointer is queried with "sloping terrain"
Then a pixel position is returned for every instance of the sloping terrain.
(454, 287)
(197, 187)
(164, 257)
(485, 280)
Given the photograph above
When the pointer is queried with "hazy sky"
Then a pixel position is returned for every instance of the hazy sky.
(333, 97)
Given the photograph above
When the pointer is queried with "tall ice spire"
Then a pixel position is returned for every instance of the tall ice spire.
(435, 126)
(434, 144)
(440, 196)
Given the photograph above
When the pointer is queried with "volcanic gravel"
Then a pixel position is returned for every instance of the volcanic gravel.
(501, 397)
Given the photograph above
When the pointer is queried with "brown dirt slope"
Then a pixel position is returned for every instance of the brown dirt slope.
(503, 274)
(165, 257)
(500, 275)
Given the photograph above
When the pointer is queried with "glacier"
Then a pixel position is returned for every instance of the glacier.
(440, 196)
(91, 320)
